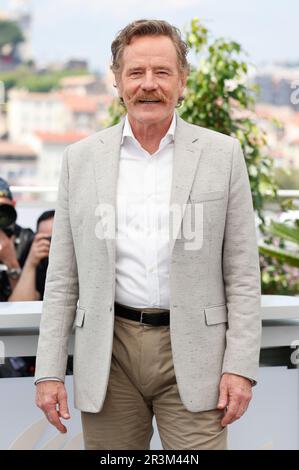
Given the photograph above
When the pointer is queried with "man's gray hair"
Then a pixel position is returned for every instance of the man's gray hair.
(149, 28)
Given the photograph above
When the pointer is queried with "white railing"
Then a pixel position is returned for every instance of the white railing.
(33, 189)
(294, 193)
(19, 323)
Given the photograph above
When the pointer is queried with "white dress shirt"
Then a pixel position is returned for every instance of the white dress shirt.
(142, 226)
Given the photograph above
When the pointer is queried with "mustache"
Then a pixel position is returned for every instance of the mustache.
(148, 96)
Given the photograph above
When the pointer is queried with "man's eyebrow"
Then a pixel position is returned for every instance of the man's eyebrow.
(163, 67)
(157, 67)
(133, 69)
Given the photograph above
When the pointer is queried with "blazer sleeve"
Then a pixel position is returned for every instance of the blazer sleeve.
(241, 274)
(61, 288)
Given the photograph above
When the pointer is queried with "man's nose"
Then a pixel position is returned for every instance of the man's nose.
(149, 82)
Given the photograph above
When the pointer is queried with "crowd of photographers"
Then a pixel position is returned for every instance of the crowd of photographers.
(23, 265)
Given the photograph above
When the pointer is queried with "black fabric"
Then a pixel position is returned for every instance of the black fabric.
(23, 241)
(40, 279)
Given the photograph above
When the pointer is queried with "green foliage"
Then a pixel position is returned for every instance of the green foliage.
(277, 278)
(279, 261)
(287, 178)
(25, 77)
(218, 97)
(10, 33)
(43, 83)
(115, 112)
(288, 233)
(289, 258)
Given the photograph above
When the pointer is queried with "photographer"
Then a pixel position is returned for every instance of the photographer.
(31, 286)
(32, 280)
(15, 243)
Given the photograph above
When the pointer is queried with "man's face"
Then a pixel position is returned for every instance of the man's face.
(46, 226)
(6, 200)
(150, 81)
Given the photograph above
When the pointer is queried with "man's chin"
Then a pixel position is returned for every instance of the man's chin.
(149, 118)
(148, 112)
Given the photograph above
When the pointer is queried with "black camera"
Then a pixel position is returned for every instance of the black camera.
(8, 216)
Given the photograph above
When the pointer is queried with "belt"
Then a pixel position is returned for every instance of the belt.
(147, 316)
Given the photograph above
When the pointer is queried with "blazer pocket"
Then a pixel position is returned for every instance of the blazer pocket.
(80, 314)
(207, 196)
(216, 314)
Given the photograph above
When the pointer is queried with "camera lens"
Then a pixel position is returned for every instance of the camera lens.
(8, 215)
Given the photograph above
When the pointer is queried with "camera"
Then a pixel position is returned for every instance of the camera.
(8, 216)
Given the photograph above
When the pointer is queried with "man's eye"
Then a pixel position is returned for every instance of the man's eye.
(135, 74)
(162, 72)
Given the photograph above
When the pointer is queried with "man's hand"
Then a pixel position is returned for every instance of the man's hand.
(8, 253)
(50, 393)
(39, 249)
(235, 395)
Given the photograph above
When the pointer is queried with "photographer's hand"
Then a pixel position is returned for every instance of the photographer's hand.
(39, 249)
(26, 288)
(8, 255)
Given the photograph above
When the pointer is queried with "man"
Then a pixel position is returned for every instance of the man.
(164, 325)
(15, 242)
(31, 284)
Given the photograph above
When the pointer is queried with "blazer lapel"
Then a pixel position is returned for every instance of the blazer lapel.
(106, 164)
(187, 152)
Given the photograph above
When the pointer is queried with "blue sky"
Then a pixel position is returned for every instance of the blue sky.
(267, 29)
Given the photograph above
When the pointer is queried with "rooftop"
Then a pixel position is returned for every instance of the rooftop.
(10, 148)
(61, 138)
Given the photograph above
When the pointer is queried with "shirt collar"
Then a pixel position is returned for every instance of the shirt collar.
(127, 130)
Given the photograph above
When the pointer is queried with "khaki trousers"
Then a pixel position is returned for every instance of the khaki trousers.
(141, 384)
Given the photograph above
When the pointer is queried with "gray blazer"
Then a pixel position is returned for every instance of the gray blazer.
(215, 321)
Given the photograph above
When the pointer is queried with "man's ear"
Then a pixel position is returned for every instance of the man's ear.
(184, 78)
(117, 82)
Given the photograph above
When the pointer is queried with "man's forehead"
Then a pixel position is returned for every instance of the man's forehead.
(149, 59)
(46, 225)
(150, 46)
(155, 62)
(5, 200)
